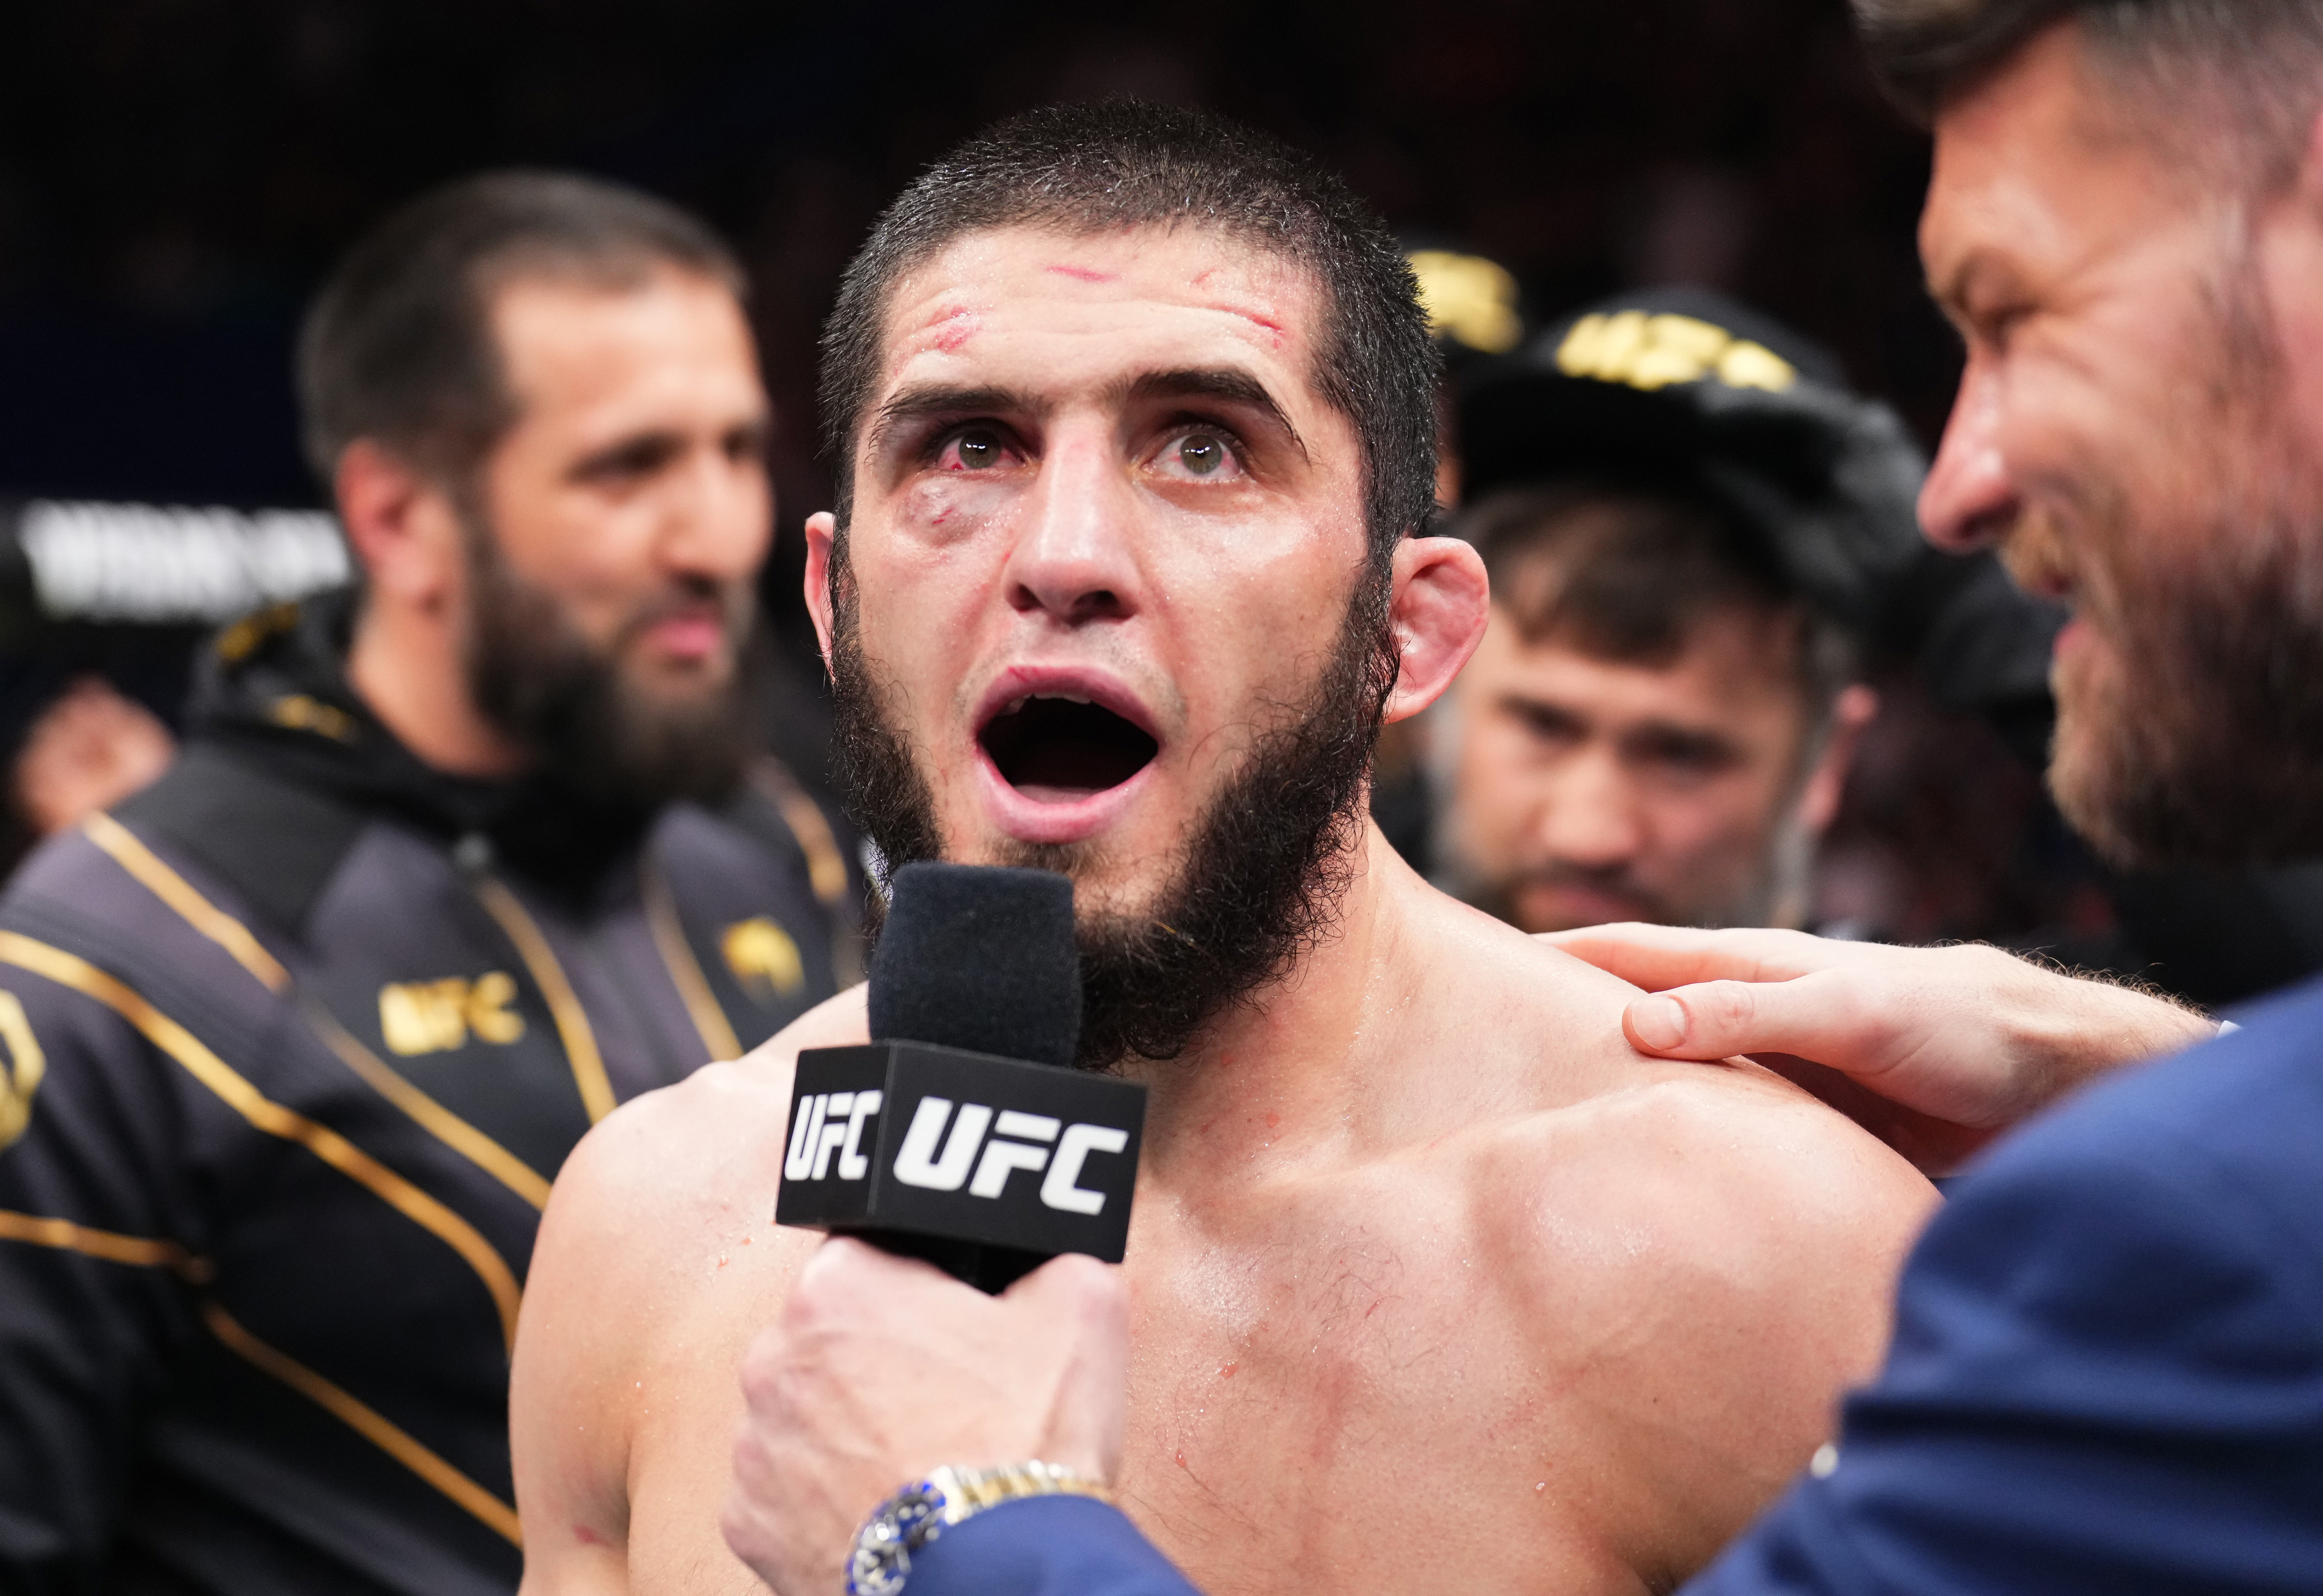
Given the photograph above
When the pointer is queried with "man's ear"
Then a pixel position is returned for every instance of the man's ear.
(821, 539)
(1441, 601)
(401, 526)
(1852, 712)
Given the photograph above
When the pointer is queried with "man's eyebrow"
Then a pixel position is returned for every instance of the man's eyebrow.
(941, 399)
(641, 450)
(1217, 382)
(1698, 739)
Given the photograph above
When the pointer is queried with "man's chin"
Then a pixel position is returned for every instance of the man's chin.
(2101, 774)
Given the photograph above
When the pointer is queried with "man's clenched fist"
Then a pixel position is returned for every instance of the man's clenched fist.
(882, 1369)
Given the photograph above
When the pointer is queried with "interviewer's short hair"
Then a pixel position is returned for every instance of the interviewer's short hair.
(2251, 70)
(399, 347)
(1086, 169)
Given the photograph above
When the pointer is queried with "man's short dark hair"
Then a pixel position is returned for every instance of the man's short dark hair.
(2253, 66)
(1629, 575)
(399, 347)
(1085, 168)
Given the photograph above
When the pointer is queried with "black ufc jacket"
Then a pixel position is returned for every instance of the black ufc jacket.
(291, 1046)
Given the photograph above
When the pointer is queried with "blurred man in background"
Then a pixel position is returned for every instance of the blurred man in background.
(1689, 524)
(451, 865)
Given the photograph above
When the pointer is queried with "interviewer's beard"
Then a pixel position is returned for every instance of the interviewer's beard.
(2192, 734)
(1258, 882)
(569, 704)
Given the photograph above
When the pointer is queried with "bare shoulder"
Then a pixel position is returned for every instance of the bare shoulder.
(641, 1214)
(1706, 1250)
(1728, 1162)
(1738, 1161)
(678, 1152)
(1725, 1249)
(1535, 1026)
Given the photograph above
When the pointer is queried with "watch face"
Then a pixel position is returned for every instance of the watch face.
(877, 1569)
(882, 1556)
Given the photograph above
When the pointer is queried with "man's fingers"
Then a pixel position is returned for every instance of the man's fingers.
(1659, 957)
(1719, 1019)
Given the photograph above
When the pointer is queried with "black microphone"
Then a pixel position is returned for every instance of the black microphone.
(962, 1134)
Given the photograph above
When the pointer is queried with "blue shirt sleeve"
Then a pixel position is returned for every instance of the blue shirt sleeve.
(1045, 1546)
(2107, 1376)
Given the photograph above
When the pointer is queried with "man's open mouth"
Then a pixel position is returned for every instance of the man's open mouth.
(1055, 749)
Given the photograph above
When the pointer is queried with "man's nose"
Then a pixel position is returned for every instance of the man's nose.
(718, 522)
(1073, 561)
(1590, 817)
(1969, 501)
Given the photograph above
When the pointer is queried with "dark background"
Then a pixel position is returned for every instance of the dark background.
(176, 176)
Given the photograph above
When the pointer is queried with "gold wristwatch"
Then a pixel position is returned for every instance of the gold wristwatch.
(926, 1509)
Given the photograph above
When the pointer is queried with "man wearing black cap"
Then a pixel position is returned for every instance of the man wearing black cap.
(1689, 523)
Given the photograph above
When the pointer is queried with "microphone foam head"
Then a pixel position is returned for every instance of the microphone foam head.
(979, 957)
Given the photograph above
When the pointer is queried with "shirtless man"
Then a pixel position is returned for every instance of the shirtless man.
(1135, 420)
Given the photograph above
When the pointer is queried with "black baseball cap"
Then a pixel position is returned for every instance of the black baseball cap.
(1684, 390)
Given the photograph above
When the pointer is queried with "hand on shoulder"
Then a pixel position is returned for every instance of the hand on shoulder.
(1944, 1047)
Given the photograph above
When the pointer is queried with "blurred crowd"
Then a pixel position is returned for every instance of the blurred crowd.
(175, 178)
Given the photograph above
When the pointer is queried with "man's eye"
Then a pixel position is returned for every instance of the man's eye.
(977, 449)
(1688, 761)
(1546, 725)
(1202, 454)
(1207, 455)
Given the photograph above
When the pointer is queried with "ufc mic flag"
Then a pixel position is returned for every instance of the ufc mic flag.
(962, 1134)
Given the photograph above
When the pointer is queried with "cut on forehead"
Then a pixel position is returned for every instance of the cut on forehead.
(942, 301)
(1086, 171)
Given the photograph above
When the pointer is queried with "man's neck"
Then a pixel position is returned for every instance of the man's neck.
(406, 667)
(1275, 1081)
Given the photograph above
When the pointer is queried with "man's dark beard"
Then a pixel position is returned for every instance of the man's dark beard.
(2205, 746)
(566, 703)
(1258, 882)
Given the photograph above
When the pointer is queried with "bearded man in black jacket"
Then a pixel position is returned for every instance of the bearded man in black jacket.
(293, 1043)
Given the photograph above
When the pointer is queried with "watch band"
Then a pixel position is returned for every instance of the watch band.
(881, 1557)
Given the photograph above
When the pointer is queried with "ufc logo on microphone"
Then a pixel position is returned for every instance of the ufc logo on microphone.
(829, 1123)
(1033, 1143)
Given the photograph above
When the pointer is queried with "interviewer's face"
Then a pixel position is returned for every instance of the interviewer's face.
(1103, 540)
(2134, 430)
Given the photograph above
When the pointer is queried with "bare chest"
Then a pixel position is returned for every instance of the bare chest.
(1337, 1405)
(1329, 1396)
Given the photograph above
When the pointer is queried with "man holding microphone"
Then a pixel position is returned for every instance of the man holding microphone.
(2107, 1369)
